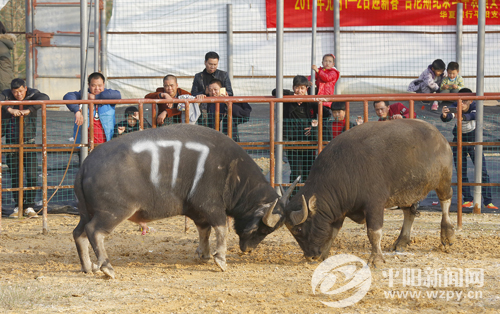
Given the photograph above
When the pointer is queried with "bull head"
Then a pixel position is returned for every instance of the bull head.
(299, 217)
(271, 219)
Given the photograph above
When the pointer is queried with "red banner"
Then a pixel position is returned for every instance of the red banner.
(298, 13)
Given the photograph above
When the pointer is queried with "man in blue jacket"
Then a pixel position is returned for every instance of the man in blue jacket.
(104, 115)
(468, 135)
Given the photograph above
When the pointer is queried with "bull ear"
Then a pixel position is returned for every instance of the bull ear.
(298, 217)
(289, 191)
(312, 204)
(269, 218)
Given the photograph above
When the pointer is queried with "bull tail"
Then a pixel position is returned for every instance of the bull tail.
(80, 197)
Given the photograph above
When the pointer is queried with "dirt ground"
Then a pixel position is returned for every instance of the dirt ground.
(159, 272)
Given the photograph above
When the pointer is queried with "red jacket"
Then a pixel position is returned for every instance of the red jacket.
(398, 108)
(325, 81)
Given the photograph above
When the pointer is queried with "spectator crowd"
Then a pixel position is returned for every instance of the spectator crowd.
(300, 119)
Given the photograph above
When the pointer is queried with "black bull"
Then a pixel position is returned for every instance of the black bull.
(373, 166)
(177, 170)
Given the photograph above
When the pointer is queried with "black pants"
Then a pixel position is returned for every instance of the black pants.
(30, 168)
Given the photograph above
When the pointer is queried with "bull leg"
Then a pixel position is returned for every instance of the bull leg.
(220, 254)
(203, 249)
(82, 247)
(96, 235)
(447, 232)
(374, 223)
(404, 236)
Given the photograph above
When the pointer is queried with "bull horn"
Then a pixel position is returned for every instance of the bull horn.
(289, 191)
(269, 218)
(298, 217)
(282, 192)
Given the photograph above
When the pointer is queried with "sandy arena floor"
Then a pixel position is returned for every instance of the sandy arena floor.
(159, 272)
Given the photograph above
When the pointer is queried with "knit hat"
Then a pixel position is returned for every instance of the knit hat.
(130, 110)
(339, 105)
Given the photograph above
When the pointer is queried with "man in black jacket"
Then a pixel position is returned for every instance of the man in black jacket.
(299, 125)
(203, 79)
(10, 126)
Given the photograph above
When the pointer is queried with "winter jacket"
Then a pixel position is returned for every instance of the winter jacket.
(106, 113)
(10, 124)
(202, 79)
(163, 107)
(325, 82)
(459, 81)
(468, 123)
(294, 129)
(128, 128)
(427, 82)
(398, 108)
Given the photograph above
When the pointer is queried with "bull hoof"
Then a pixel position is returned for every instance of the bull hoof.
(203, 258)
(447, 236)
(220, 261)
(375, 260)
(95, 268)
(108, 271)
(400, 245)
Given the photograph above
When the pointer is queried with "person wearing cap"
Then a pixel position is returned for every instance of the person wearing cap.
(326, 77)
(338, 125)
(131, 124)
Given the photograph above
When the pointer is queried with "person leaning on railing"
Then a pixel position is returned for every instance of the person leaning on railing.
(299, 124)
(104, 114)
(171, 90)
(468, 135)
(240, 111)
(10, 128)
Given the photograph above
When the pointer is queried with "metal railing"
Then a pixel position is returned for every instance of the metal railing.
(270, 145)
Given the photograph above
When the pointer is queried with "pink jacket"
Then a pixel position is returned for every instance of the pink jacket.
(325, 81)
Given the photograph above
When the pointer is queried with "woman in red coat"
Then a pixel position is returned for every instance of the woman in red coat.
(326, 77)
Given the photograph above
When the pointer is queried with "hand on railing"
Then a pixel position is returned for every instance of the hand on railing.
(17, 112)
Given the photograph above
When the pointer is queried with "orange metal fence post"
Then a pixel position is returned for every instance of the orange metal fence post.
(320, 127)
(229, 116)
(459, 164)
(412, 109)
(153, 115)
(347, 115)
(91, 127)
(271, 144)
(45, 229)
(365, 111)
(20, 202)
(217, 118)
(186, 108)
(141, 117)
